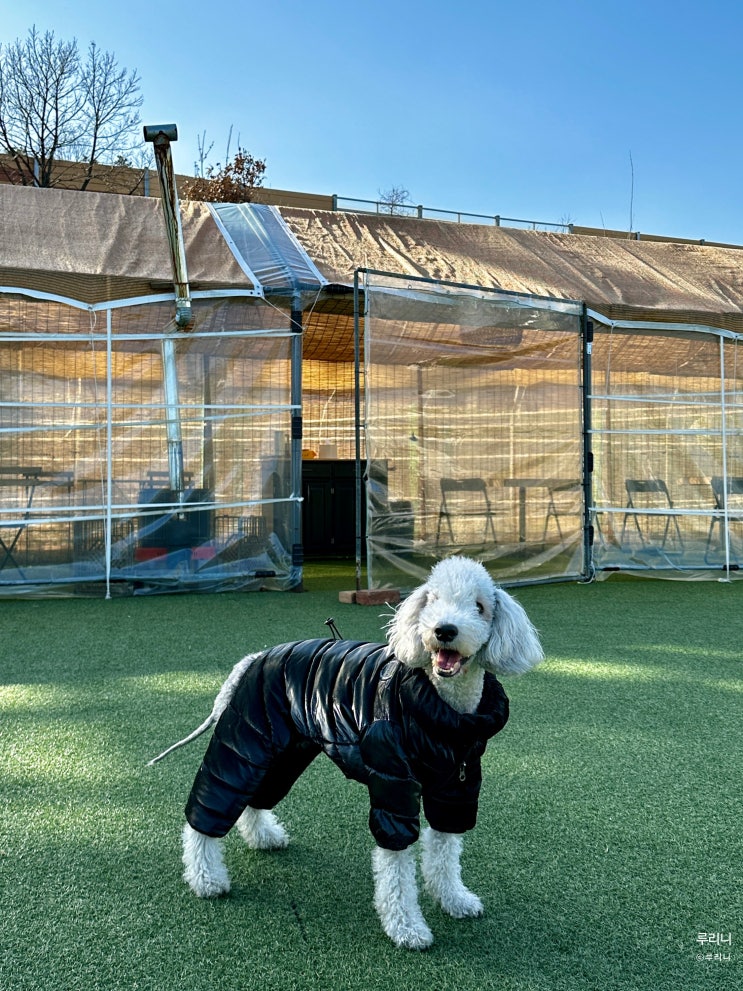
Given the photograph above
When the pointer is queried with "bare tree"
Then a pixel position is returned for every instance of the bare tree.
(395, 199)
(58, 108)
(200, 165)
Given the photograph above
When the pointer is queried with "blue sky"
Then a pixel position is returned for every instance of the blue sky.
(616, 113)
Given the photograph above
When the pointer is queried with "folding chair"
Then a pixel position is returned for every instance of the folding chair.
(8, 550)
(733, 502)
(459, 505)
(556, 509)
(649, 494)
(17, 478)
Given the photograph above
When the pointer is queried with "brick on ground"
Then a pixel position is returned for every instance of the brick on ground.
(370, 596)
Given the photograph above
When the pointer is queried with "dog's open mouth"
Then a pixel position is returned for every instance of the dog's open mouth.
(448, 662)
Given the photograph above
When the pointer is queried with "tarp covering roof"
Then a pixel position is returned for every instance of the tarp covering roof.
(624, 280)
(97, 247)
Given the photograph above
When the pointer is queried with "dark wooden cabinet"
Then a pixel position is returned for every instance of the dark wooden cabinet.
(328, 501)
(329, 505)
(329, 508)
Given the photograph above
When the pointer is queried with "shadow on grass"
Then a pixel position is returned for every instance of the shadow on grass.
(608, 835)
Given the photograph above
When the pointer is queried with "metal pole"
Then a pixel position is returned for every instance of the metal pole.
(357, 418)
(724, 439)
(296, 435)
(588, 528)
(161, 135)
(208, 425)
(172, 416)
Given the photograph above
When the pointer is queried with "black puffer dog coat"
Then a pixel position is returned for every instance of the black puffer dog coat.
(380, 721)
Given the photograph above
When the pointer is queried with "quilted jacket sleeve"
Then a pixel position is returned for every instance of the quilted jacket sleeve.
(394, 793)
(451, 805)
(450, 800)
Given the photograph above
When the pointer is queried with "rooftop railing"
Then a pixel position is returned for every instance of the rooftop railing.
(417, 211)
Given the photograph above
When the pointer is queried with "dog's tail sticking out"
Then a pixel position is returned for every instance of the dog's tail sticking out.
(210, 721)
(220, 704)
(225, 694)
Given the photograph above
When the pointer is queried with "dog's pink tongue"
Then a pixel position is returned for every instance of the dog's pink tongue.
(448, 661)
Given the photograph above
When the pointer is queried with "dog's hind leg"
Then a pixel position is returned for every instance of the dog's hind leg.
(261, 830)
(396, 898)
(205, 872)
(442, 874)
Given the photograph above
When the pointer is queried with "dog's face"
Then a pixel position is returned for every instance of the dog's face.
(454, 623)
(461, 618)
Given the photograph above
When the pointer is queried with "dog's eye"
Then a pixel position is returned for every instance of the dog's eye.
(480, 608)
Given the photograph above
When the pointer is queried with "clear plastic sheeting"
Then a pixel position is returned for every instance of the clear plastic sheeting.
(265, 246)
(551, 438)
(473, 431)
(667, 422)
(88, 503)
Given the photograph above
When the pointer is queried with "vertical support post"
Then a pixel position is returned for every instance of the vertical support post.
(108, 523)
(588, 529)
(724, 438)
(357, 417)
(422, 447)
(172, 416)
(296, 434)
(208, 425)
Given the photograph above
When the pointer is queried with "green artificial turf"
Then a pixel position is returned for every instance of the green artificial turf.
(609, 833)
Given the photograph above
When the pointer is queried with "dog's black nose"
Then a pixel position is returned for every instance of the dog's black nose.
(446, 632)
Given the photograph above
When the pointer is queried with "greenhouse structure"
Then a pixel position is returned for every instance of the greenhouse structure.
(381, 388)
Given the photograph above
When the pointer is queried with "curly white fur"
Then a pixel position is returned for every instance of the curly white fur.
(488, 628)
(456, 626)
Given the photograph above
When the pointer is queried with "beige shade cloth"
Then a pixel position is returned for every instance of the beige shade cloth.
(624, 280)
(98, 247)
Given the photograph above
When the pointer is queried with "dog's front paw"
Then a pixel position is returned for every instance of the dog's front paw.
(261, 830)
(205, 872)
(461, 904)
(409, 935)
(443, 875)
(206, 885)
(396, 899)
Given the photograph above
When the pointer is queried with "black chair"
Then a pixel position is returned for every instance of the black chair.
(162, 479)
(562, 502)
(728, 500)
(457, 502)
(649, 494)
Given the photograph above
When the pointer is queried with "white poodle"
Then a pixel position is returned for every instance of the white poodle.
(410, 719)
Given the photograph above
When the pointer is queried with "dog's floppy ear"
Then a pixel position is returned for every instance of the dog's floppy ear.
(402, 630)
(514, 646)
